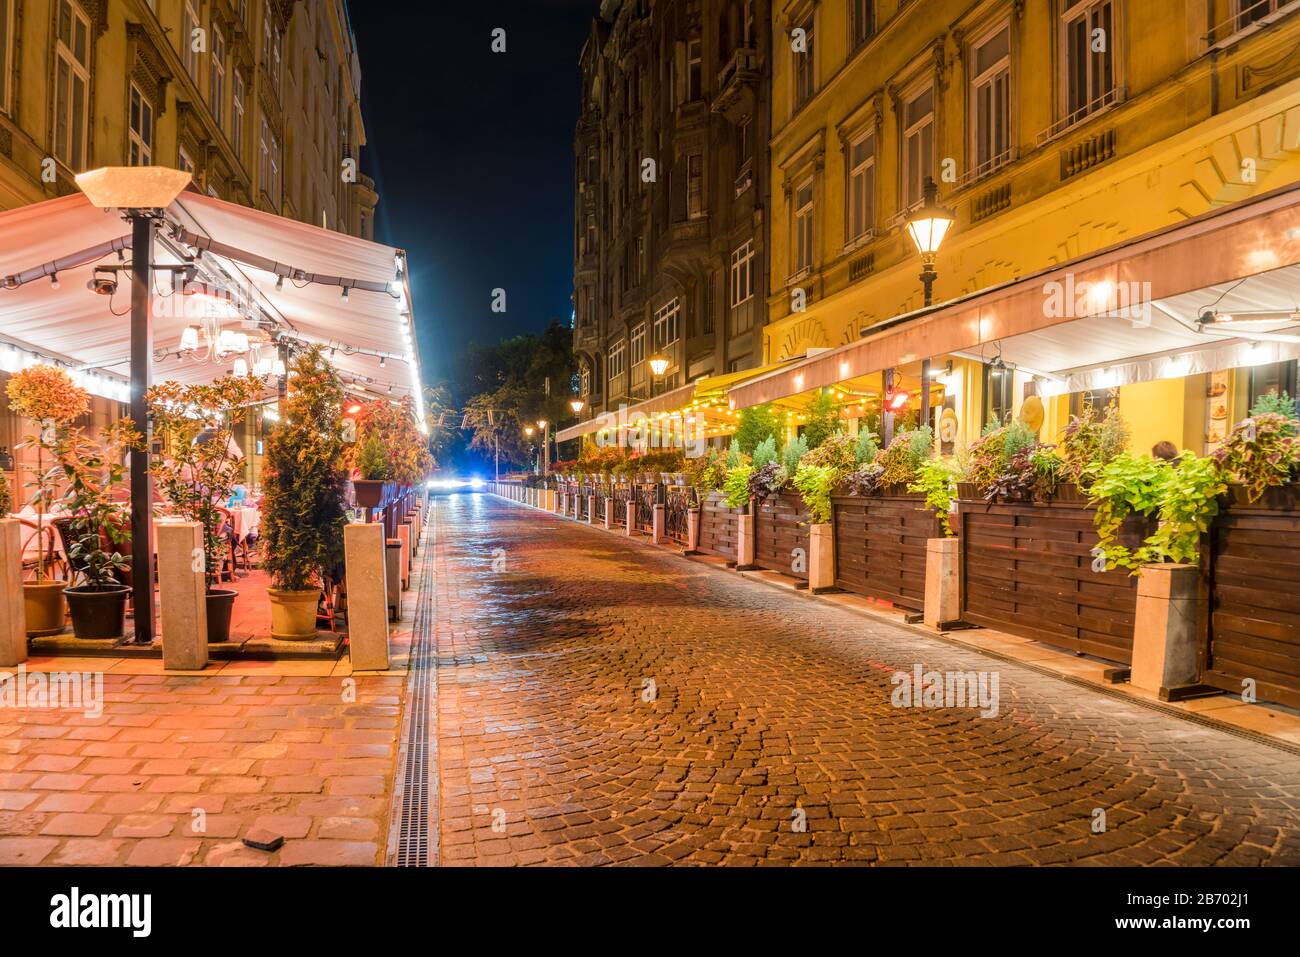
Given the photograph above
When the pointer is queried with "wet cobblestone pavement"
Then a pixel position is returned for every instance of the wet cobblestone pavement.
(600, 701)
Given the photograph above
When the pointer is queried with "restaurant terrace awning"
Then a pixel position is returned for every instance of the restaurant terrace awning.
(708, 393)
(258, 274)
(1040, 323)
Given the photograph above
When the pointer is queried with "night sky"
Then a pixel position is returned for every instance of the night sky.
(472, 153)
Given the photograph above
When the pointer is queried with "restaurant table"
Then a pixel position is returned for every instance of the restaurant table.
(246, 522)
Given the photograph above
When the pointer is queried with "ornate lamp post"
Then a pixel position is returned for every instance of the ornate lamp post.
(928, 226)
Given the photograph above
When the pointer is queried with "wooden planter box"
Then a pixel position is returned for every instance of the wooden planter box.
(719, 527)
(780, 527)
(1026, 569)
(1254, 572)
(880, 545)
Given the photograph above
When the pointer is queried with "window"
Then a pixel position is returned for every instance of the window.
(275, 168)
(141, 134)
(694, 69)
(589, 241)
(189, 55)
(6, 50)
(997, 394)
(217, 76)
(667, 328)
(271, 52)
(694, 186)
(1252, 11)
(237, 113)
(585, 380)
(72, 86)
(1275, 378)
(861, 193)
(617, 359)
(991, 100)
(862, 21)
(638, 344)
(742, 145)
(1088, 37)
(805, 78)
(742, 274)
(183, 160)
(918, 145)
(803, 227)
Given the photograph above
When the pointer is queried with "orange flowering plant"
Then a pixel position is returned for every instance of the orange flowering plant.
(406, 449)
(48, 396)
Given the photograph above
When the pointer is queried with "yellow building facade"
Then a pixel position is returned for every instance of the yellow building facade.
(1052, 128)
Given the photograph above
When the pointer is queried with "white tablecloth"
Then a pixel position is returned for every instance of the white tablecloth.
(247, 521)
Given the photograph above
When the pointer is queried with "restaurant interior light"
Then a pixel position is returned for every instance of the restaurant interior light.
(241, 368)
(190, 339)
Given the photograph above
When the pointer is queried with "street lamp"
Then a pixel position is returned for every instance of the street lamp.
(532, 451)
(928, 226)
(577, 406)
(546, 445)
(658, 366)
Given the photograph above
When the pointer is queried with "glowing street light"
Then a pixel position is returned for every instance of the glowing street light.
(577, 406)
(658, 364)
(928, 226)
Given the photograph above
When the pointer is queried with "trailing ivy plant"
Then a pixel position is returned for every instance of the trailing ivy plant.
(1126, 485)
(815, 484)
(1190, 503)
(736, 486)
(936, 479)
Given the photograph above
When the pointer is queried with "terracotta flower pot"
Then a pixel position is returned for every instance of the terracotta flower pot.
(97, 613)
(369, 493)
(43, 602)
(293, 614)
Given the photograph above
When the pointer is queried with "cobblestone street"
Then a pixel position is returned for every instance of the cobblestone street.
(600, 702)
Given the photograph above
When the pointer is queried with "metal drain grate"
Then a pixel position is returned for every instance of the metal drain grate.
(413, 836)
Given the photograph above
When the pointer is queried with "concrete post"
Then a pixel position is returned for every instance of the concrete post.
(658, 524)
(1165, 627)
(13, 611)
(942, 582)
(404, 537)
(631, 517)
(609, 511)
(550, 500)
(182, 596)
(745, 540)
(821, 557)
(591, 509)
(393, 578)
(692, 530)
(364, 560)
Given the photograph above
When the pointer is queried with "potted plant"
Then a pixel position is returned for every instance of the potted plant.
(196, 423)
(372, 489)
(48, 396)
(303, 514)
(97, 528)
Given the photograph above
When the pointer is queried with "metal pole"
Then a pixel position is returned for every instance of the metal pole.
(142, 556)
(925, 392)
(497, 469)
(886, 416)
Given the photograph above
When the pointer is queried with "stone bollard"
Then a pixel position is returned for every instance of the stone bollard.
(404, 537)
(692, 531)
(365, 565)
(13, 610)
(549, 503)
(182, 596)
(658, 524)
(631, 517)
(1165, 628)
(745, 540)
(609, 511)
(942, 582)
(821, 557)
(591, 510)
(393, 578)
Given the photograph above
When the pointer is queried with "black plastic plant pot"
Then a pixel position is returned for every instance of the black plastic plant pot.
(97, 613)
(221, 605)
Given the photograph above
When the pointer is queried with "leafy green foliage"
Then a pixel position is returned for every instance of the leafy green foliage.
(736, 486)
(936, 479)
(755, 424)
(708, 472)
(991, 453)
(1261, 452)
(1189, 504)
(866, 447)
(823, 420)
(303, 479)
(92, 471)
(1273, 403)
(764, 452)
(373, 460)
(1126, 485)
(6, 496)
(839, 452)
(904, 456)
(1089, 444)
(815, 484)
(735, 457)
(793, 454)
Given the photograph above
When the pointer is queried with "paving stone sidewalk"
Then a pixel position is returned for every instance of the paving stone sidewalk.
(603, 702)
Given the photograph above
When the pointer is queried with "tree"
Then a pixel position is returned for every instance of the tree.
(756, 423)
(823, 421)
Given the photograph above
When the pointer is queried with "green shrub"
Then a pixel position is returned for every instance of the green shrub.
(793, 454)
(754, 425)
(866, 447)
(736, 486)
(815, 484)
(936, 479)
(764, 452)
(1273, 403)
(823, 420)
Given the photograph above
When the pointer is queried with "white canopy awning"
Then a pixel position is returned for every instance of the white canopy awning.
(277, 279)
